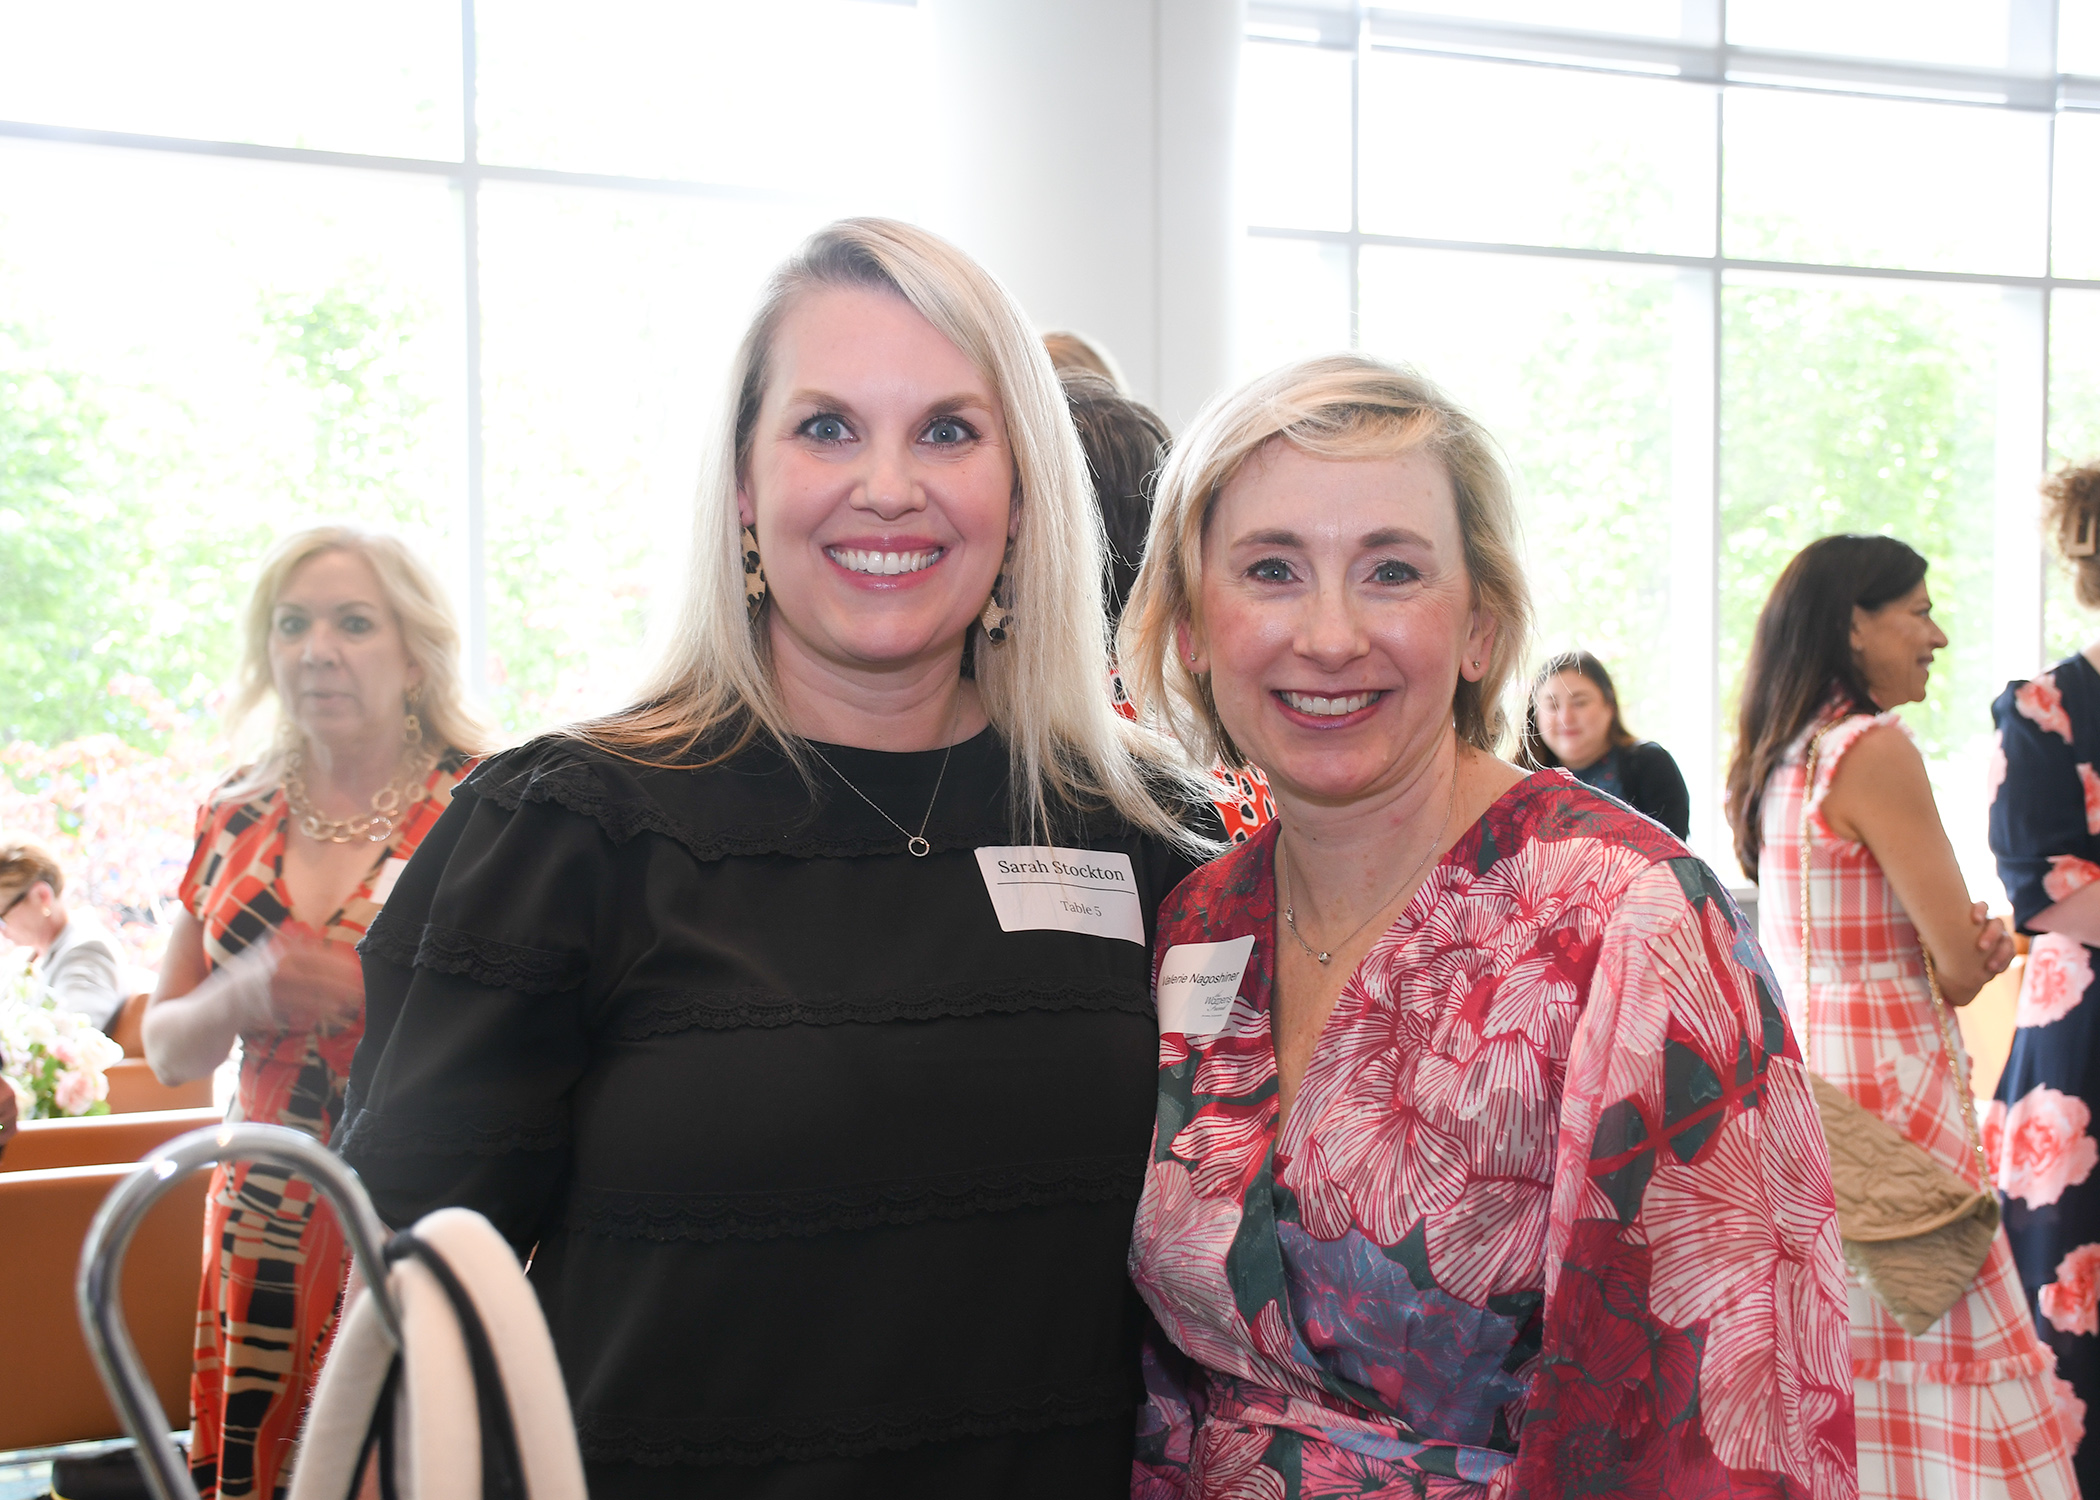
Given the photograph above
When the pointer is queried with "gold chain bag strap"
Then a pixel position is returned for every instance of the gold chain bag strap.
(1915, 1233)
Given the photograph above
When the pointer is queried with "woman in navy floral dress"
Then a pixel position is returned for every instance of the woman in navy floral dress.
(2045, 830)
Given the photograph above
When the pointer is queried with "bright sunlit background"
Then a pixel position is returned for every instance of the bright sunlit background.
(1721, 278)
(1716, 300)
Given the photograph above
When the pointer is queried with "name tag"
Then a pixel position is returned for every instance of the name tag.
(1198, 983)
(1063, 890)
(383, 882)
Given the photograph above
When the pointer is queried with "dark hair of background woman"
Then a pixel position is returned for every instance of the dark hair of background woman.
(1801, 654)
(1533, 752)
(1126, 445)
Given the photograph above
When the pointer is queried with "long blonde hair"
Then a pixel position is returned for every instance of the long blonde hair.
(1045, 688)
(429, 634)
(1336, 406)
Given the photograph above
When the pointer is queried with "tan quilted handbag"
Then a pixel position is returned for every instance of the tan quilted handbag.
(1914, 1233)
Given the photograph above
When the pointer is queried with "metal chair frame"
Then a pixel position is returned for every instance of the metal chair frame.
(99, 1292)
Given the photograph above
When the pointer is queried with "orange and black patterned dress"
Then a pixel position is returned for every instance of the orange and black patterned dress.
(273, 1253)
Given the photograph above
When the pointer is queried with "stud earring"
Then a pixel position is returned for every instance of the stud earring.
(754, 575)
(998, 615)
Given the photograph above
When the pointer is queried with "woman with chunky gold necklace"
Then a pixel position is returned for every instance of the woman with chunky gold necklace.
(350, 636)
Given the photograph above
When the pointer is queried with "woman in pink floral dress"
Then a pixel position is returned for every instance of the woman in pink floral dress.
(1484, 1162)
(1965, 1410)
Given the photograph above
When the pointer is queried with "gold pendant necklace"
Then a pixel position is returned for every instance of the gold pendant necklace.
(1290, 915)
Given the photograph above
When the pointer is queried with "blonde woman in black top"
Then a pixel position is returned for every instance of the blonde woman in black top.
(800, 1015)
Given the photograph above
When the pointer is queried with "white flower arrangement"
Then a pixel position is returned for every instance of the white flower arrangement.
(56, 1063)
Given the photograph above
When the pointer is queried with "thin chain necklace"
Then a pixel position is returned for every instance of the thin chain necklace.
(915, 842)
(1290, 916)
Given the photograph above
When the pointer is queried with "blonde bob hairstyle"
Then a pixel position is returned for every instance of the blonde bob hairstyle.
(429, 633)
(1045, 688)
(1338, 406)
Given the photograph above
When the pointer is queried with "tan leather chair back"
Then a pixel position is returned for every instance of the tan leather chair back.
(97, 1140)
(133, 1089)
(124, 1026)
(50, 1392)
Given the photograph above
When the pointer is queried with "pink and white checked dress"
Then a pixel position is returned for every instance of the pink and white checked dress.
(1965, 1411)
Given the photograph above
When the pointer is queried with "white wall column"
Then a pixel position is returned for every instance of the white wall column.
(1200, 229)
(1086, 158)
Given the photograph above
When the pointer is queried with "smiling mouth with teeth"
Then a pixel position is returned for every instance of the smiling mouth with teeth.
(883, 564)
(1329, 708)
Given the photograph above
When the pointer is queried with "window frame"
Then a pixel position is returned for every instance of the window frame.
(1701, 56)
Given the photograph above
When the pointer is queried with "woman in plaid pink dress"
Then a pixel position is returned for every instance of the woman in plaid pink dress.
(1966, 1410)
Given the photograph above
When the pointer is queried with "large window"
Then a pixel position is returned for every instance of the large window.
(471, 271)
(1718, 292)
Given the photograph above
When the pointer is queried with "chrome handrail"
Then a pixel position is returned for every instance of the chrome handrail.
(99, 1290)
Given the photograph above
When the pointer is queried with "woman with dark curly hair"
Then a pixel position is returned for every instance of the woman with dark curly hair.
(2045, 830)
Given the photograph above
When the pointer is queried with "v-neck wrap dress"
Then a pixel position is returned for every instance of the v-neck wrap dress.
(273, 1252)
(826, 1169)
(1551, 1214)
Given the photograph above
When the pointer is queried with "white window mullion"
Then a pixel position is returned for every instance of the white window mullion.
(1695, 584)
(477, 612)
(2021, 452)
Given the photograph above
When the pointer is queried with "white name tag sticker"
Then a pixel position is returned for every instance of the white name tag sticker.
(383, 882)
(1063, 890)
(1198, 983)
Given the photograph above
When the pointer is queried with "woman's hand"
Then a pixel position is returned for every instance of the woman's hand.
(1993, 942)
(292, 983)
(317, 984)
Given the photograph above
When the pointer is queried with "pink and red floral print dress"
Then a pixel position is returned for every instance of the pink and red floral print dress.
(2045, 830)
(1966, 1410)
(1551, 1215)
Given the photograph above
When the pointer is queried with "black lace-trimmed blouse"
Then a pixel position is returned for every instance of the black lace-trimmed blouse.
(831, 1179)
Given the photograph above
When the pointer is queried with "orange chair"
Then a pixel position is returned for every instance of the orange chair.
(123, 1028)
(133, 1088)
(97, 1140)
(49, 1392)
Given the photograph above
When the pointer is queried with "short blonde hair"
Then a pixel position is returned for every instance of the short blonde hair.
(1338, 406)
(429, 633)
(1045, 688)
(23, 862)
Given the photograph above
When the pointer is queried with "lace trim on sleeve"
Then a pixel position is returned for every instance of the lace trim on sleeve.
(372, 1136)
(831, 1432)
(706, 1217)
(390, 938)
(734, 1009)
(486, 961)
